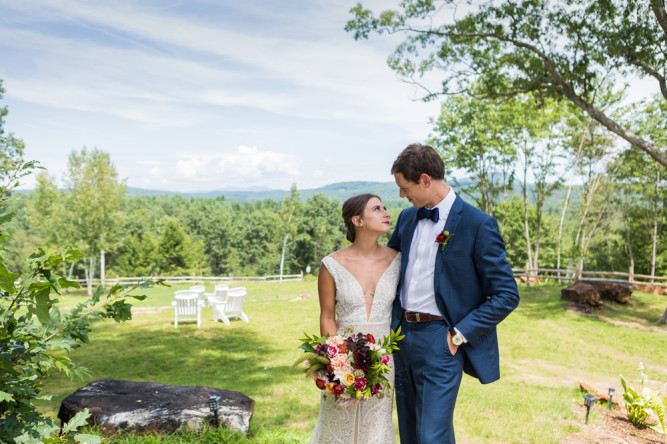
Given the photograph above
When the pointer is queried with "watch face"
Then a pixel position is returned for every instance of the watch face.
(457, 340)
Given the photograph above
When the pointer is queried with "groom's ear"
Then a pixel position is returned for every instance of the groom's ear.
(425, 179)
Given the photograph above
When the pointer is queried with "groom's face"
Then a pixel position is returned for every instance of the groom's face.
(415, 193)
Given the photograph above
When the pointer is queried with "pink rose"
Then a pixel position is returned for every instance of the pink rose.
(385, 359)
(332, 351)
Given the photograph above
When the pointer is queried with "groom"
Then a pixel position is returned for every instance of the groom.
(456, 286)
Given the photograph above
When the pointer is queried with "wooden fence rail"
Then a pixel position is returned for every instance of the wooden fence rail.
(198, 279)
(569, 275)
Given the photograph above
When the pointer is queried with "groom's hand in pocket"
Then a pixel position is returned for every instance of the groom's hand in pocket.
(452, 348)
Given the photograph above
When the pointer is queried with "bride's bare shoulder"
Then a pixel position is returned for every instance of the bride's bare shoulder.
(341, 255)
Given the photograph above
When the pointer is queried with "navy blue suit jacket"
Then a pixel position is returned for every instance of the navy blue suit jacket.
(474, 284)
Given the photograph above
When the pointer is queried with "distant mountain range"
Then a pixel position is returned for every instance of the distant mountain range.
(387, 191)
(340, 191)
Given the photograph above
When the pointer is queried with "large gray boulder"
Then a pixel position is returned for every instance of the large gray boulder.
(143, 407)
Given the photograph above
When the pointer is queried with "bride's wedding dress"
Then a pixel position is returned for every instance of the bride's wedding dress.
(369, 421)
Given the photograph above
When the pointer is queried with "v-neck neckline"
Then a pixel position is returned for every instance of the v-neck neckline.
(361, 290)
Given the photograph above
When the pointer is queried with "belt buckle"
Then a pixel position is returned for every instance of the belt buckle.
(418, 315)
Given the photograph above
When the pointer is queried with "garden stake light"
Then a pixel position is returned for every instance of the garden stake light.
(589, 400)
(214, 405)
(612, 390)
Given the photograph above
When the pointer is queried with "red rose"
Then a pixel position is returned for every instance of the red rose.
(320, 384)
(441, 238)
(370, 338)
(337, 390)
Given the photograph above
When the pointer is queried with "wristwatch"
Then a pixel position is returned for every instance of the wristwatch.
(457, 338)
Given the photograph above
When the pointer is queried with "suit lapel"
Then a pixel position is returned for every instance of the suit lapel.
(452, 222)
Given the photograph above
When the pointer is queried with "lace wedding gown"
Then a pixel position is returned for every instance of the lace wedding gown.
(369, 421)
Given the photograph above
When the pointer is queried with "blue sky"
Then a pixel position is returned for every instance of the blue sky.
(202, 95)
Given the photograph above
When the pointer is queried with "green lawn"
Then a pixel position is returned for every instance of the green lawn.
(545, 352)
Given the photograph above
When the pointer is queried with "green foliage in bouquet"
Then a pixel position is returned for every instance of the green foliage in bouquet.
(349, 366)
(642, 405)
(35, 337)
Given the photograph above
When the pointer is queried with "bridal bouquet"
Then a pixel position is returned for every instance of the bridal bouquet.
(350, 367)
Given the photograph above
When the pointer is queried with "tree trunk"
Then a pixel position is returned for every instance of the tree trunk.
(282, 256)
(654, 235)
(526, 227)
(663, 318)
(102, 268)
(560, 226)
(89, 272)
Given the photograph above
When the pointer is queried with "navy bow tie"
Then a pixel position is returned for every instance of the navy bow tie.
(425, 213)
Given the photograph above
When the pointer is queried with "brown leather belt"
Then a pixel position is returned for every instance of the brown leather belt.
(416, 317)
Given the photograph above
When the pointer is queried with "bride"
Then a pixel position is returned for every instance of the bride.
(357, 286)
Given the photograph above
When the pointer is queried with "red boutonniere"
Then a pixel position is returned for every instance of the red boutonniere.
(442, 239)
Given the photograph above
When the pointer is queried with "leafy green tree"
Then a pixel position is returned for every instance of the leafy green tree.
(94, 197)
(48, 212)
(11, 148)
(320, 232)
(35, 337)
(562, 49)
(176, 247)
(290, 212)
(471, 135)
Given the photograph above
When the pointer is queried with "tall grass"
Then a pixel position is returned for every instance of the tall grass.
(545, 351)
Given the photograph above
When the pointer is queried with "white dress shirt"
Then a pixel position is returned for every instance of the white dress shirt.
(417, 291)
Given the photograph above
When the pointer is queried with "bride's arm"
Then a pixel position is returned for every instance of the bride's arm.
(327, 291)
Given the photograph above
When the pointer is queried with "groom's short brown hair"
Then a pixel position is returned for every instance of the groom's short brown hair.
(417, 159)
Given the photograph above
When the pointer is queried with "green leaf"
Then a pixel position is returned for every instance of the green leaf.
(79, 420)
(87, 439)
(6, 397)
(43, 306)
(7, 279)
(7, 217)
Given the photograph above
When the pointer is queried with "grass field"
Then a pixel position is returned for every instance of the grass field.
(545, 352)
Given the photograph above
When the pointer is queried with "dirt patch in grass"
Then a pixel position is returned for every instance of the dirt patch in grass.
(614, 428)
(587, 311)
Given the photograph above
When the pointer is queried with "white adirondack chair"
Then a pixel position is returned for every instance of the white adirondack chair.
(200, 290)
(187, 307)
(219, 294)
(232, 308)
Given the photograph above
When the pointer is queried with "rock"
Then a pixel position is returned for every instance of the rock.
(143, 407)
(581, 293)
(611, 290)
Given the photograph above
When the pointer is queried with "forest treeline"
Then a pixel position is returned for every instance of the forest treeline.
(516, 155)
(217, 237)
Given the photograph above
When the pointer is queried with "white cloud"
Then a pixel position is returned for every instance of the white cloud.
(247, 166)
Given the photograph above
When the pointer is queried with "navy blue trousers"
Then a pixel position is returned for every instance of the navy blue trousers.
(428, 378)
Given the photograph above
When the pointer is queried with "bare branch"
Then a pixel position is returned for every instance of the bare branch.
(660, 13)
(653, 73)
(558, 83)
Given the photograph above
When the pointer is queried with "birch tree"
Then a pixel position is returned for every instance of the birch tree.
(94, 196)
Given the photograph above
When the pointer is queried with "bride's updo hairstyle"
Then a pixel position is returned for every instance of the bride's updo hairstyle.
(354, 206)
